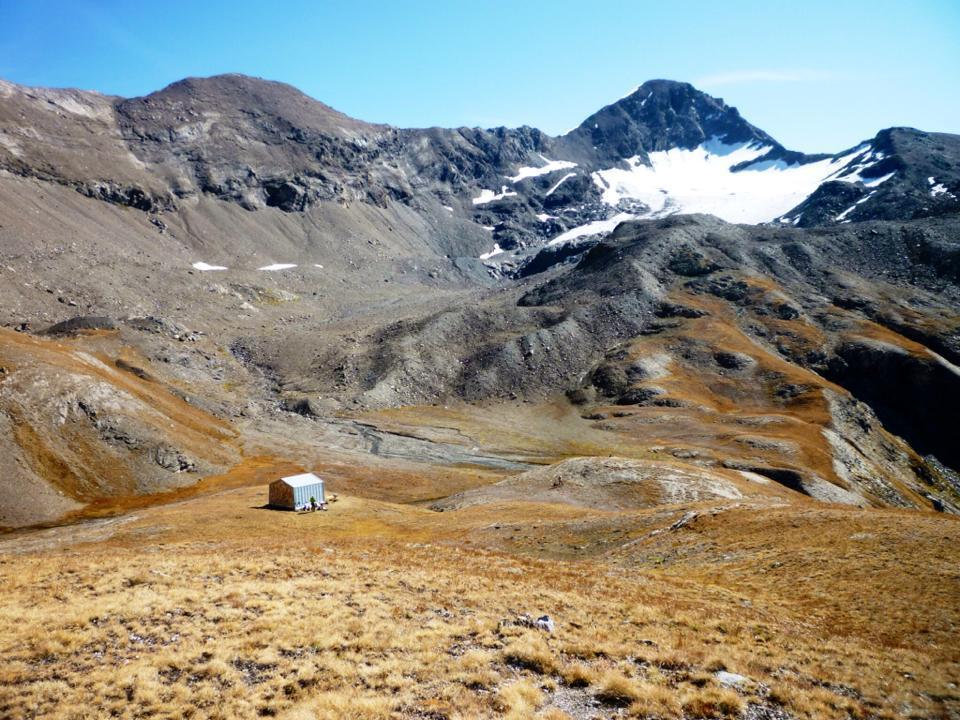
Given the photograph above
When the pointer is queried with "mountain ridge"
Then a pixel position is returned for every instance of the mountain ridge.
(279, 147)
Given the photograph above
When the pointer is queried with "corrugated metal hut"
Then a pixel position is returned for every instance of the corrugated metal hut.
(294, 492)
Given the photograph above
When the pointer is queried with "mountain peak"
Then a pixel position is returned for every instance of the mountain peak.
(231, 83)
(229, 89)
(241, 96)
(660, 115)
(662, 85)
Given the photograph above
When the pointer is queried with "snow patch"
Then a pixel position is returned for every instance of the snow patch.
(497, 250)
(551, 166)
(879, 181)
(842, 217)
(487, 196)
(277, 266)
(205, 267)
(560, 182)
(593, 228)
(938, 188)
(855, 170)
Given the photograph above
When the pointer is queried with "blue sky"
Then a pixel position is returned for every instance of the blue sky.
(817, 75)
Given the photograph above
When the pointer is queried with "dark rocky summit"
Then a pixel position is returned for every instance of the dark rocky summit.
(660, 115)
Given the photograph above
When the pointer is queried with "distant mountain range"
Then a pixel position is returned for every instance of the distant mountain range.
(665, 148)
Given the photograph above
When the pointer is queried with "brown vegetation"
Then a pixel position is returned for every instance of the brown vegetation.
(214, 607)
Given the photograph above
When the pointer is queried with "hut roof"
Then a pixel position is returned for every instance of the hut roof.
(301, 480)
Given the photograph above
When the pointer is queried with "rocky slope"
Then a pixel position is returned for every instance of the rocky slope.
(263, 263)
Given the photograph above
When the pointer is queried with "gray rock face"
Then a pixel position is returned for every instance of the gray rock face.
(173, 460)
(915, 394)
(918, 175)
(79, 323)
(659, 115)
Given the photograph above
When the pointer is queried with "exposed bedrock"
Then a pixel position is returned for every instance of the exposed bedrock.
(915, 394)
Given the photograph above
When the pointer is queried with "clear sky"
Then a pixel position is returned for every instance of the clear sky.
(818, 75)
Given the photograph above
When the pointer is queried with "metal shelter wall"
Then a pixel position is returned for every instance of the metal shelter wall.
(302, 494)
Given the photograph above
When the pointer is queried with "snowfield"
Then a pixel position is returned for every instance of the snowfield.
(731, 181)
(702, 180)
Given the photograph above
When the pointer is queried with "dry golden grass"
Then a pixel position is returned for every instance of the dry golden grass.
(615, 688)
(578, 674)
(531, 653)
(519, 699)
(213, 607)
(655, 702)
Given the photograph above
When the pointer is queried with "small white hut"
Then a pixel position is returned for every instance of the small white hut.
(294, 492)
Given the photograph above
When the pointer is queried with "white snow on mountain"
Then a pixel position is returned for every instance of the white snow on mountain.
(277, 266)
(560, 182)
(854, 171)
(497, 250)
(702, 180)
(594, 228)
(551, 166)
(938, 188)
(878, 181)
(205, 267)
(842, 217)
(487, 196)
(730, 181)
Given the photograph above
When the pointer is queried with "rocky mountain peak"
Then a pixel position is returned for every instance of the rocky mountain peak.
(660, 115)
(234, 94)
